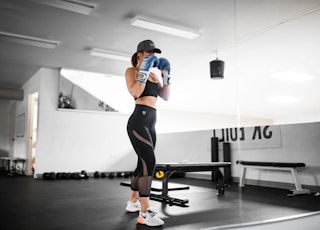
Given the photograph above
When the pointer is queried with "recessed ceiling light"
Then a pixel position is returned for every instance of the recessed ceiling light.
(283, 99)
(290, 75)
(110, 54)
(164, 27)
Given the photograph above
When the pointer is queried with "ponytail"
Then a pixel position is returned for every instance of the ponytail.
(134, 59)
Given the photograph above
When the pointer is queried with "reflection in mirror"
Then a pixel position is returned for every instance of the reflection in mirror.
(277, 75)
(91, 91)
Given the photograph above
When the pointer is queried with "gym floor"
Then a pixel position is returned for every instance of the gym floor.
(99, 203)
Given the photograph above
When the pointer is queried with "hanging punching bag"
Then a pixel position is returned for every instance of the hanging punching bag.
(216, 69)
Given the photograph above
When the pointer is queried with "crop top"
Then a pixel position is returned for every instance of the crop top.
(151, 89)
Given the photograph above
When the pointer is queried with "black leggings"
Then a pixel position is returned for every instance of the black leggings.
(142, 134)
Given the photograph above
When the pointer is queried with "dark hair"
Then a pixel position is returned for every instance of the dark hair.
(134, 59)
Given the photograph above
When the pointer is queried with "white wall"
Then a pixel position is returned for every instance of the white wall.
(4, 127)
(180, 121)
(70, 140)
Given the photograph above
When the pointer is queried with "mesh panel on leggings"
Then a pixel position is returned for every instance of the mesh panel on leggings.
(144, 186)
(134, 183)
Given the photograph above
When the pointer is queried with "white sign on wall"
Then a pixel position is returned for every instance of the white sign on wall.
(250, 137)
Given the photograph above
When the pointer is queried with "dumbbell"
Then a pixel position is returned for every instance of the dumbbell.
(84, 175)
(96, 174)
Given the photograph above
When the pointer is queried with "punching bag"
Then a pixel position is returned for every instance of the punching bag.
(227, 158)
(214, 156)
(216, 69)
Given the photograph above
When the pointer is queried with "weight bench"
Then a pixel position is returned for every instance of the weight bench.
(283, 166)
(171, 168)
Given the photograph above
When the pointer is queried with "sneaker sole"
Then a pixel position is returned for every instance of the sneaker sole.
(130, 211)
(141, 221)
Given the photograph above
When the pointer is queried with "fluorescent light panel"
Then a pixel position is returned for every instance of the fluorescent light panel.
(164, 27)
(110, 54)
(70, 5)
(293, 76)
(28, 40)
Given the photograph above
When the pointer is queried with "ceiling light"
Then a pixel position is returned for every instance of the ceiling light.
(290, 75)
(164, 27)
(70, 5)
(28, 40)
(283, 99)
(110, 54)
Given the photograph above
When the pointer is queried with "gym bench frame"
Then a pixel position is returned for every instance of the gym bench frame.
(283, 166)
(171, 168)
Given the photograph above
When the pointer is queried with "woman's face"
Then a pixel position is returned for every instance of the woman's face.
(148, 53)
(145, 53)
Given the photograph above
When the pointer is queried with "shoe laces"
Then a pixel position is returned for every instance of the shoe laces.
(152, 213)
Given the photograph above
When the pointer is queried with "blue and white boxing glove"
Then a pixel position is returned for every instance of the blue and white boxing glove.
(144, 70)
(164, 66)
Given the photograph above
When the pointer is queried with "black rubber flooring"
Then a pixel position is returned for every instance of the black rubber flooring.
(98, 204)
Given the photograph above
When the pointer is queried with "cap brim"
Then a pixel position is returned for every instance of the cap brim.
(156, 50)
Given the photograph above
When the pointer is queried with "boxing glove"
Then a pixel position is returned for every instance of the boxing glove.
(164, 66)
(144, 70)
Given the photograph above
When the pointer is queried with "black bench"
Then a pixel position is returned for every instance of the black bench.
(283, 166)
(171, 168)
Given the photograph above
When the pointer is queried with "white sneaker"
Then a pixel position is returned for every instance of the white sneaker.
(133, 207)
(149, 218)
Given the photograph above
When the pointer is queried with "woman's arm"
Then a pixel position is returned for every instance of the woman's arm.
(135, 87)
(165, 92)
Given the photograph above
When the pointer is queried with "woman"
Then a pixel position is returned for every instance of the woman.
(145, 87)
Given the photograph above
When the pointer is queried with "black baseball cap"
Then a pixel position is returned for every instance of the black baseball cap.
(147, 45)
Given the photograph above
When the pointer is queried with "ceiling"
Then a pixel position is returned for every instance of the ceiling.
(254, 38)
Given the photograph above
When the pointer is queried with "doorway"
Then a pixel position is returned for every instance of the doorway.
(12, 128)
(32, 133)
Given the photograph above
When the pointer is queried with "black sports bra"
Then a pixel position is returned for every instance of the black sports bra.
(151, 89)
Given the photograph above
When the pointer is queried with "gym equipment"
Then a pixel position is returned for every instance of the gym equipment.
(111, 175)
(59, 175)
(64, 101)
(75, 175)
(126, 175)
(214, 156)
(103, 175)
(227, 158)
(159, 174)
(67, 175)
(52, 175)
(216, 69)
(171, 168)
(164, 66)
(84, 175)
(285, 166)
(146, 64)
(49, 175)
(96, 174)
